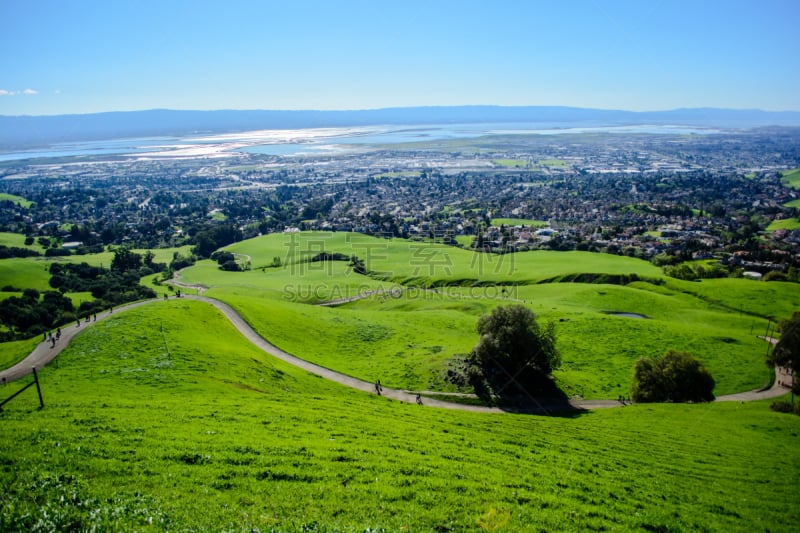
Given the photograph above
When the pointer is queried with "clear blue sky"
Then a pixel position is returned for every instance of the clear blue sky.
(78, 56)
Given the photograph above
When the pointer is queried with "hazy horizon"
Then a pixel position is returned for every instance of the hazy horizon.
(409, 107)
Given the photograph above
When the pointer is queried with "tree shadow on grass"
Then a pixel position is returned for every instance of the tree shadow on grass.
(525, 393)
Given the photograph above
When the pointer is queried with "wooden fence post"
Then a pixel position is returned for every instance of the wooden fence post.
(38, 388)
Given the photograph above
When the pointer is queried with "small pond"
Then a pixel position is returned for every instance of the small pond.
(624, 314)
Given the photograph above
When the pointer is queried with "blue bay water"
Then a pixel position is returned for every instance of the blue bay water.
(332, 143)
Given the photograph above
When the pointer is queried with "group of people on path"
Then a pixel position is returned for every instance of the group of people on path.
(788, 372)
(48, 335)
(94, 319)
(379, 392)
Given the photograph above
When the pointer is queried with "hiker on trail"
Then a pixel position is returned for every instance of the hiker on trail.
(94, 317)
(58, 333)
(419, 399)
(378, 387)
(78, 324)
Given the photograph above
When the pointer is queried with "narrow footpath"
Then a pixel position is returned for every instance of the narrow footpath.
(44, 353)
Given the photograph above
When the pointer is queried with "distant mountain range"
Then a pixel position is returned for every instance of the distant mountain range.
(29, 131)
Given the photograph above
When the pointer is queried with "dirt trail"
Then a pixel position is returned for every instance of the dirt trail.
(44, 353)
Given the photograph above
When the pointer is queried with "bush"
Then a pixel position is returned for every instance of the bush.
(674, 377)
(781, 407)
(230, 266)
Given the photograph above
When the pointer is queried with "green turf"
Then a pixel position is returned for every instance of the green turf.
(15, 351)
(465, 240)
(552, 162)
(519, 222)
(400, 174)
(785, 223)
(408, 342)
(793, 203)
(17, 239)
(511, 163)
(25, 273)
(164, 410)
(791, 178)
(19, 200)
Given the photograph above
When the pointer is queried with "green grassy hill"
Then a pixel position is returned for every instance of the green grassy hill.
(163, 417)
(409, 338)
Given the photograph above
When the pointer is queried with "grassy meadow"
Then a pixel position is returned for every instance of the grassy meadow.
(784, 223)
(427, 297)
(519, 222)
(18, 200)
(165, 418)
(410, 337)
(791, 178)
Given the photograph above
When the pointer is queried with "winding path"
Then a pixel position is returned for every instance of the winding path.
(44, 353)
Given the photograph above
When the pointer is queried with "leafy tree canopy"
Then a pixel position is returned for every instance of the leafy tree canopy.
(673, 377)
(787, 350)
(514, 354)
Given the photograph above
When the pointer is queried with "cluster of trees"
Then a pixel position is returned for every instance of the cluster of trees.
(787, 355)
(108, 287)
(692, 272)
(34, 313)
(209, 240)
(226, 261)
(16, 251)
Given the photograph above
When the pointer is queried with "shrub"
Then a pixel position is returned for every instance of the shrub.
(673, 377)
(781, 407)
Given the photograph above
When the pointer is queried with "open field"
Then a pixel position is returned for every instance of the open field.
(25, 273)
(16, 239)
(592, 368)
(552, 162)
(519, 222)
(408, 338)
(793, 203)
(791, 178)
(19, 200)
(431, 264)
(786, 223)
(162, 407)
(511, 163)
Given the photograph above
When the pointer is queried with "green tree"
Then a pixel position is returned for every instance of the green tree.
(126, 259)
(673, 377)
(787, 350)
(514, 349)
